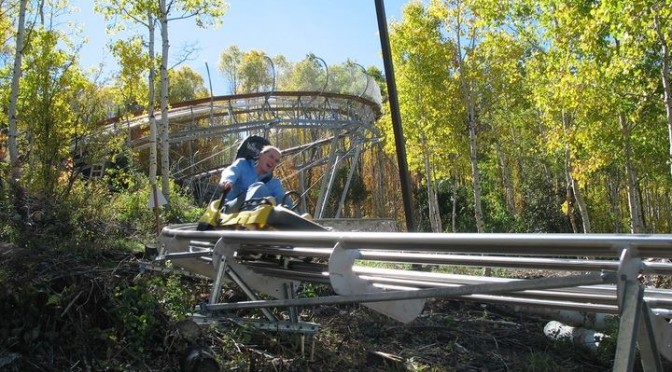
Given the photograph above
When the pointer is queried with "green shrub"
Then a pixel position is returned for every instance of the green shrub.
(144, 306)
(132, 208)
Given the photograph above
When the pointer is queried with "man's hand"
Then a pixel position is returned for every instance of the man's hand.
(226, 186)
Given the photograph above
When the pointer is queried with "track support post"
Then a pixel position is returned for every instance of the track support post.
(635, 326)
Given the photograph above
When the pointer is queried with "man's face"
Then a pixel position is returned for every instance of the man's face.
(268, 161)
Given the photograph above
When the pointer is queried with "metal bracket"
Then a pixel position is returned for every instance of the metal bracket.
(346, 282)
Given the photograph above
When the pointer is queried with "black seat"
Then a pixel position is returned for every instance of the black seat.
(251, 147)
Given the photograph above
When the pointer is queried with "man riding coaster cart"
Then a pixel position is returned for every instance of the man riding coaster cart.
(250, 194)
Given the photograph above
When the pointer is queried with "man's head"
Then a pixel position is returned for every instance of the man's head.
(269, 158)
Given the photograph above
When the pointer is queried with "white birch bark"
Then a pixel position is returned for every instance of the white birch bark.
(471, 124)
(507, 183)
(572, 184)
(165, 145)
(15, 166)
(151, 103)
(432, 200)
(583, 207)
(665, 74)
(568, 195)
(453, 213)
(634, 200)
(612, 185)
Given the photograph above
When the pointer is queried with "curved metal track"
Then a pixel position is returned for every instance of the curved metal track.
(318, 132)
(233, 114)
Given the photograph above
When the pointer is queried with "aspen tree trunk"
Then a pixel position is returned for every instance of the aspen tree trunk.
(572, 184)
(165, 145)
(150, 106)
(151, 103)
(381, 207)
(583, 208)
(634, 201)
(520, 205)
(16, 191)
(14, 164)
(506, 180)
(453, 219)
(475, 172)
(471, 126)
(569, 198)
(568, 181)
(665, 74)
(432, 202)
(649, 209)
(656, 206)
(576, 190)
(435, 215)
(613, 190)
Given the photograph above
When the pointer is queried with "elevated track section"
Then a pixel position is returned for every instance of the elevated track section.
(586, 278)
(319, 133)
(242, 114)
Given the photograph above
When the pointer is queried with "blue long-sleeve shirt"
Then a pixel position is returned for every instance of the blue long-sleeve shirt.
(242, 173)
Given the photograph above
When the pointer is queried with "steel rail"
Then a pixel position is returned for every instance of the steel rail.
(560, 264)
(576, 245)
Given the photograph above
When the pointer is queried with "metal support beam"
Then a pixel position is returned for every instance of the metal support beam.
(627, 329)
(648, 346)
(543, 283)
(353, 167)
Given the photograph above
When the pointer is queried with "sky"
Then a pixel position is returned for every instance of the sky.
(334, 30)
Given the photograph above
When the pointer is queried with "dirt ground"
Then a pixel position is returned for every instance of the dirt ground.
(68, 312)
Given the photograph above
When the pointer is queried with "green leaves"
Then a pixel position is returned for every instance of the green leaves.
(573, 86)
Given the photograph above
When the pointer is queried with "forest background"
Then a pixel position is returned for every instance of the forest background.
(543, 116)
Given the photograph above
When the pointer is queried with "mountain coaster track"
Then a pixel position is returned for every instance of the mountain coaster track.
(273, 264)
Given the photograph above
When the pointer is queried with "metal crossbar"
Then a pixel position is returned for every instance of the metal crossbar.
(486, 288)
